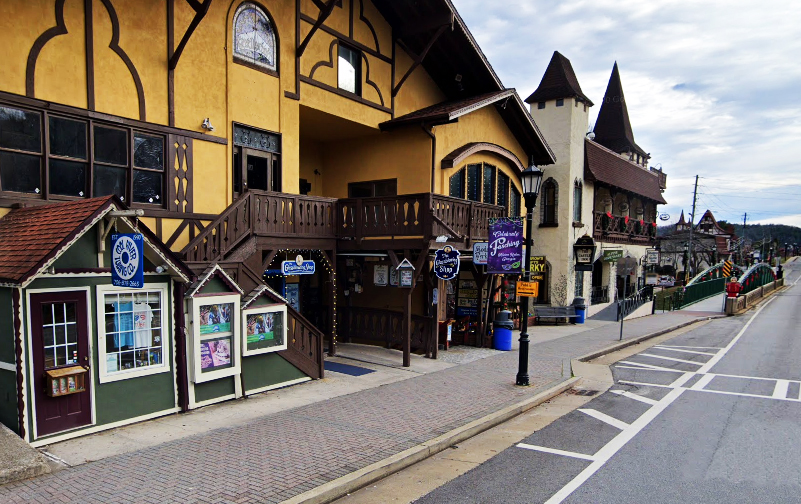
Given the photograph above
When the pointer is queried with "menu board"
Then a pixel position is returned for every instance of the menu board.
(467, 300)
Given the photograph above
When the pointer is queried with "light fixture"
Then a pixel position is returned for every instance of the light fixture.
(207, 125)
(531, 179)
(162, 268)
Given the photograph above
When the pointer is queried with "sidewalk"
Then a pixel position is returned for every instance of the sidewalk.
(280, 455)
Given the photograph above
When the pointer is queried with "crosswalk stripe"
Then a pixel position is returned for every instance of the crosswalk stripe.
(671, 359)
(555, 451)
(703, 382)
(683, 350)
(614, 422)
(636, 397)
(780, 391)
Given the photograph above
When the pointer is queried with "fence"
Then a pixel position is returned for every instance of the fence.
(743, 302)
(627, 306)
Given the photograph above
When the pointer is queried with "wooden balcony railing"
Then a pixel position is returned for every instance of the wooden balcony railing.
(425, 214)
(385, 327)
(615, 229)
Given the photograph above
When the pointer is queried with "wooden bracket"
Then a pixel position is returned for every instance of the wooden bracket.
(447, 227)
(325, 11)
(418, 58)
(201, 9)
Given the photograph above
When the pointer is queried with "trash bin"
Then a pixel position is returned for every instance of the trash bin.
(502, 330)
(581, 309)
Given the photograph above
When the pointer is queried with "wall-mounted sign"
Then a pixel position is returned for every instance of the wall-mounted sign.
(480, 253)
(446, 263)
(538, 268)
(664, 217)
(612, 255)
(652, 256)
(505, 248)
(405, 273)
(127, 260)
(381, 274)
(584, 250)
(298, 267)
(530, 289)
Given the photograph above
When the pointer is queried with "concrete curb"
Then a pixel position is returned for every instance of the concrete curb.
(18, 461)
(334, 489)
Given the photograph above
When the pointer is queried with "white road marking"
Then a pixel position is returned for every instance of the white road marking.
(694, 347)
(683, 350)
(651, 369)
(650, 366)
(614, 422)
(555, 451)
(780, 392)
(703, 382)
(723, 392)
(636, 397)
(671, 359)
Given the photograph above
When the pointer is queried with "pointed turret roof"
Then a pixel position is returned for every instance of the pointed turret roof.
(613, 128)
(559, 81)
(681, 219)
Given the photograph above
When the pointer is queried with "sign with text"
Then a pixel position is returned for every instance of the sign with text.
(612, 255)
(530, 289)
(538, 268)
(446, 263)
(381, 274)
(505, 248)
(652, 256)
(297, 267)
(480, 253)
(127, 260)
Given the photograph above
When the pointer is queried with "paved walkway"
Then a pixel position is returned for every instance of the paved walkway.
(280, 455)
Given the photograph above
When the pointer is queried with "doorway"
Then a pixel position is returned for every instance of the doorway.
(60, 337)
(255, 170)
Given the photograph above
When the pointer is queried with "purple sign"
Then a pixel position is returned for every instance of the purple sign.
(505, 249)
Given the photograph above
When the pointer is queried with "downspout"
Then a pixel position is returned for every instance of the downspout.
(429, 130)
(182, 371)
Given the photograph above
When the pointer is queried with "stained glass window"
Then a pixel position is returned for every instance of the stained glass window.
(254, 38)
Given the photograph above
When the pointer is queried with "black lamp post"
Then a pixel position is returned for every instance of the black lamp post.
(531, 179)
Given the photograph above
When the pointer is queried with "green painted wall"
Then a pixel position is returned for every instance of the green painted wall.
(8, 400)
(6, 327)
(216, 286)
(268, 369)
(82, 253)
(214, 389)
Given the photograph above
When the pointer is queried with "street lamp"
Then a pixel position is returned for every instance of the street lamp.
(531, 179)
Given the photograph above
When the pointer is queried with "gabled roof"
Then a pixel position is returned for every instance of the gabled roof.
(508, 104)
(559, 81)
(605, 166)
(31, 239)
(709, 214)
(613, 128)
(258, 291)
(212, 271)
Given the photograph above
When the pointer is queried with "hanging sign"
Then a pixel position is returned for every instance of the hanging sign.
(480, 253)
(530, 289)
(652, 256)
(381, 274)
(127, 260)
(446, 263)
(298, 267)
(613, 255)
(505, 248)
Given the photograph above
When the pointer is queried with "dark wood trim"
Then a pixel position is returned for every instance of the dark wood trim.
(368, 81)
(369, 24)
(418, 58)
(393, 258)
(90, 55)
(456, 157)
(114, 45)
(297, 43)
(174, 236)
(344, 94)
(295, 242)
(159, 229)
(269, 259)
(324, 13)
(349, 40)
(200, 13)
(19, 100)
(392, 75)
(179, 340)
(170, 51)
(291, 95)
(16, 305)
(241, 61)
(350, 18)
(41, 41)
(323, 63)
(423, 26)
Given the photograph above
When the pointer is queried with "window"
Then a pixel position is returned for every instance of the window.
(254, 37)
(549, 202)
(560, 102)
(514, 203)
(60, 334)
(457, 184)
(474, 182)
(577, 192)
(257, 160)
(133, 332)
(503, 189)
(78, 164)
(541, 105)
(489, 184)
(349, 70)
(216, 337)
(369, 189)
(579, 287)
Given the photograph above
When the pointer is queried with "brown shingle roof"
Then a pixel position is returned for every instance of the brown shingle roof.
(605, 166)
(447, 111)
(613, 128)
(559, 81)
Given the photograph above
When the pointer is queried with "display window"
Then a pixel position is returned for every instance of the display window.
(133, 332)
(265, 329)
(216, 331)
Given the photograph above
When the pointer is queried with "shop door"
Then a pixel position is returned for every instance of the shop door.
(258, 170)
(60, 339)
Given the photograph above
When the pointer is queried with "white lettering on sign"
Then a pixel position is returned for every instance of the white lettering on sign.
(502, 243)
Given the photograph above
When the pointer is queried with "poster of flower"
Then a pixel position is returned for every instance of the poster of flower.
(265, 329)
(505, 249)
(215, 354)
(216, 318)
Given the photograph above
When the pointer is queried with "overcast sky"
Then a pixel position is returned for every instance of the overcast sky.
(713, 87)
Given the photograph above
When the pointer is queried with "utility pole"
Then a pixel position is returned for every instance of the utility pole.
(690, 244)
(742, 247)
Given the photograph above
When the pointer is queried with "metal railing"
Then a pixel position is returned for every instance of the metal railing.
(599, 295)
(627, 306)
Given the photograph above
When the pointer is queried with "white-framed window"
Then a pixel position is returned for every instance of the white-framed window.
(265, 329)
(216, 337)
(254, 36)
(349, 70)
(133, 332)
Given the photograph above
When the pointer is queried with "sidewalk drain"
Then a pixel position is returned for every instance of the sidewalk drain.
(582, 392)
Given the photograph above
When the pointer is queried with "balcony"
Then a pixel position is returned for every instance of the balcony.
(615, 229)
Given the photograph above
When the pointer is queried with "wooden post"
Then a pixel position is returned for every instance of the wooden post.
(332, 312)
(407, 321)
(442, 311)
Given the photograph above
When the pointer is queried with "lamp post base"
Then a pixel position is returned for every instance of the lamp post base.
(522, 368)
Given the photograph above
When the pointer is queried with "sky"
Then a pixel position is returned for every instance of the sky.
(713, 87)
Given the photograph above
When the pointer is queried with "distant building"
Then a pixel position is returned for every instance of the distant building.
(711, 243)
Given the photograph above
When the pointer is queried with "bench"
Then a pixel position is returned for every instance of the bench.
(555, 313)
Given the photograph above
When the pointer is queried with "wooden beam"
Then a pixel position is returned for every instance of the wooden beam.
(416, 28)
(269, 259)
(200, 12)
(447, 227)
(393, 257)
(418, 59)
(324, 13)
(407, 322)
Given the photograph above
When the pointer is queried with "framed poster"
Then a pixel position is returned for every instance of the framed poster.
(215, 337)
(265, 329)
(381, 275)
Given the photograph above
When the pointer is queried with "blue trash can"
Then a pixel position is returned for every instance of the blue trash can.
(502, 331)
(581, 309)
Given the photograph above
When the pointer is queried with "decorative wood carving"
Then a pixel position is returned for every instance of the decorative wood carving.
(323, 63)
(200, 12)
(368, 81)
(179, 173)
(324, 13)
(418, 58)
(368, 23)
(456, 157)
(36, 48)
(114, 45)
(89, 32)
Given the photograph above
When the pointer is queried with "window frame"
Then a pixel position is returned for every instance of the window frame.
(498, 176)
(274, 158)
(578, 200)
(544, 217)
(358, 78)
(166, 333)
(250, 62)
(462, 173)
(236, 337)
(518, 196)
(257, 310)
(491, 195)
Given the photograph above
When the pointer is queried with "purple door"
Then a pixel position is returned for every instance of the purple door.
(60, 339)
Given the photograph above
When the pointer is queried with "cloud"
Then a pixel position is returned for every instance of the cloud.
(711, 87)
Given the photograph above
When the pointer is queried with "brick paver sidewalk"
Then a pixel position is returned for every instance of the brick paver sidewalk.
(287, 453)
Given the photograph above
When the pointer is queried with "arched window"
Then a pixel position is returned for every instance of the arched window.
(577, 191)
(550, 200)
(254, 37)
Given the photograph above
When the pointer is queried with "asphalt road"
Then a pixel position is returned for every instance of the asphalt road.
(713, 415)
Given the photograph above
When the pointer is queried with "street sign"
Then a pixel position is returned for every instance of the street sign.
(127, 260)
(652, 256)
(530, 289)
(613, 255)
(727, 270)
(446, 263)
(480, 253)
